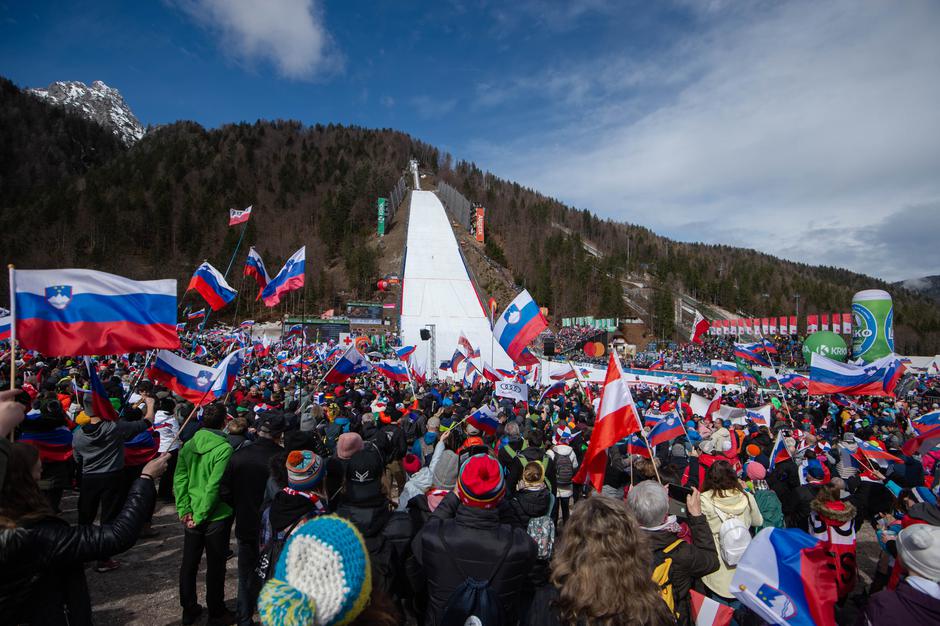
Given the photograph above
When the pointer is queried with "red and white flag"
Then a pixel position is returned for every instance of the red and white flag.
(708, 612)
(699, 327)
(617, 418)
(236, 216)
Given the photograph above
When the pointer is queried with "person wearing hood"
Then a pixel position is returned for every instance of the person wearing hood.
(916, 600)
(649, 503)
(99, 446)
(832, 521)
(724, 497)
(206, 518)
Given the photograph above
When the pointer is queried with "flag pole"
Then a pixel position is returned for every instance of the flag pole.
(773, 369)
(652, 456)
(12, 332)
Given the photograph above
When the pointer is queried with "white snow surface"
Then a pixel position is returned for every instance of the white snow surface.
(98, 102)
(437, 289)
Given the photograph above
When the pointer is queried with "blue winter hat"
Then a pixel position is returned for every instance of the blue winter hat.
(322, 577)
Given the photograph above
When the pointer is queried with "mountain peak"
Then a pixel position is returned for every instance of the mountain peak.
(98, 102)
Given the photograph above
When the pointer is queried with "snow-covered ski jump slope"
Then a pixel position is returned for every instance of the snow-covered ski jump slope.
(437, 289)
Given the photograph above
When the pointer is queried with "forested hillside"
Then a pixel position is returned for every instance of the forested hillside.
(72, 195)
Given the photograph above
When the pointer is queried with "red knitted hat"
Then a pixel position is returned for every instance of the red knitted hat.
(481, 483)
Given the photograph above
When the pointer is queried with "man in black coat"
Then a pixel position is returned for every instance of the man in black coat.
(242, 488)
(465, 538)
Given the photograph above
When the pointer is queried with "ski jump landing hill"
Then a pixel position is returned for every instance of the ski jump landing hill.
(437, 289)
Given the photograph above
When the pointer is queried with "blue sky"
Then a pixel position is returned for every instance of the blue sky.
(807, 129)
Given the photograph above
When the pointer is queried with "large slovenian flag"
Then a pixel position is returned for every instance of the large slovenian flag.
(290, 277)
(5, 325)
(254, 267)
(196, 382)
(100, 403)
(784, 577)
(617, 418)
(54, 445)
(238, 216)
(877, 378)
(393, 370)
(699, 327)
(518, 325)
(211, 285)
(76, 312)
(484, 419)
(352, 363)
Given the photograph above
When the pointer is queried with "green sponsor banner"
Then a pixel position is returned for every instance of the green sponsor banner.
(382, 203)
(825, 343)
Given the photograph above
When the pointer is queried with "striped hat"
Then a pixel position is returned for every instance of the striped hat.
(480, 483)
(322, 577)
(304, 470)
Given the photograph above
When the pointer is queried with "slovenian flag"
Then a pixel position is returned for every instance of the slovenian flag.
(395, 371)
(404, 353)
(297, 330)
(752, 352)
(142, 447)
(555, 389)
(779, 453)
(211, 285)
(792, 380)
(290, 277)
(247, 324)
(519, 324)
(197, 383)
(760, 416)
(200, 351)
(72, 312)
(927, 440)
(254, 267)
(484, 419)
(5, 325)
(456, 360)
(238, 216)
(637, 445)
(667, 429)
(352, 363)
(658, 364)
(785, 577)
(196, 315)
(927, 421)
(100, 402)
(877, 378)
(54, 445)
(871, 451)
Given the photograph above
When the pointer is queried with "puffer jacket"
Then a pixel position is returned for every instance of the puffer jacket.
(477, 541)
(386, 534)
(42, 575)
(904, 605)
(739, 504)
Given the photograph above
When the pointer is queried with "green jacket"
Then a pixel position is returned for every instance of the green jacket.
(199, 470)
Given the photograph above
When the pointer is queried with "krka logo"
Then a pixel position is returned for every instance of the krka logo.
(863, 333)
(59, 296)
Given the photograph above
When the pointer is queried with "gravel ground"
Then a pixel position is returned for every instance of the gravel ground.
(144, 589)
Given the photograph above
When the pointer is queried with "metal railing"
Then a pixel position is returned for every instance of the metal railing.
(396, 195)
(458, 208)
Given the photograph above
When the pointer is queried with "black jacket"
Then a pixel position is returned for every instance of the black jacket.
(386, 534)
(42, 575)
(243, 485)
(689, 561)
(477, 541)
(784, 479)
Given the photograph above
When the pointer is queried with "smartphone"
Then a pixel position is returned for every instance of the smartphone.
(678, 492)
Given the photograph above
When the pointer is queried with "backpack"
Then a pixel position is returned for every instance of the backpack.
(564, 470)
(473, 602)
(733, 538)
(542, 531)
(271, 544)
(662, 566)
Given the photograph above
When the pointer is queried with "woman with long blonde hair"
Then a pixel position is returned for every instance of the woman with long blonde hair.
(602, 570)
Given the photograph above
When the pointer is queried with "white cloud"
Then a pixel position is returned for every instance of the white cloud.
(772, 123)
(289, 34)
